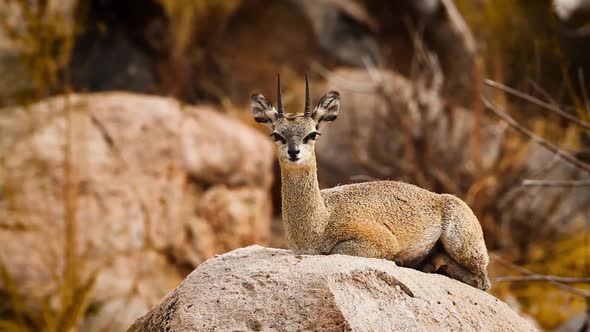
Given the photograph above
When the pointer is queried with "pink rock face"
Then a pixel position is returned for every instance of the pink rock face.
(261, 289)
(153, 188)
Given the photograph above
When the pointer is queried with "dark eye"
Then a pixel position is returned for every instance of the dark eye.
(278, 138)
(313, 136)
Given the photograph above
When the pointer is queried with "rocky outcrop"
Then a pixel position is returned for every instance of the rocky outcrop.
(261, 289)
(138, 190)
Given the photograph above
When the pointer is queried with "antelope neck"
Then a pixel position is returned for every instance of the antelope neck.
(304, 211)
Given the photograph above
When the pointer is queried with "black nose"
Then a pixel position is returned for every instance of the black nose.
(293, 153)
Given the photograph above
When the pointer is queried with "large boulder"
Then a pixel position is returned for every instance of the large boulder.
(261, 289)
(115, 197)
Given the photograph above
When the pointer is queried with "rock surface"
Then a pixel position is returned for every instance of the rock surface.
(153, 188)
(261, 289)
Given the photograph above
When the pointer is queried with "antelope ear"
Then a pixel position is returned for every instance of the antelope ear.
(328, 107)
(263, 110)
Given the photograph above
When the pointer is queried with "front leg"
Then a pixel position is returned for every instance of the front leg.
(444, 264)
(365, 240)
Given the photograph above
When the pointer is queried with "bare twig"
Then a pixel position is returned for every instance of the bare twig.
(525, 271)
(537, 102)
(584, 92)
(556, 183)
(545, 168)
(537, 139)
(543, 92)
(580, 32)
(541, 277)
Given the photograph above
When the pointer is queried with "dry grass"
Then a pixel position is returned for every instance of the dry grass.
(550, 306)
(43, 36)
(72, 291)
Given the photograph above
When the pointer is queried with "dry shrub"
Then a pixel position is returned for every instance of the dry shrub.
(40, 35)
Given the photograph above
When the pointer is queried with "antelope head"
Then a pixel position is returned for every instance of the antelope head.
(295, 133)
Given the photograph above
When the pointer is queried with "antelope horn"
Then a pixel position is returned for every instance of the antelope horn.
(307, 107)
(279, 99)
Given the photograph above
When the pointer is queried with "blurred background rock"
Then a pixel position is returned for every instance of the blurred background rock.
(108, 199)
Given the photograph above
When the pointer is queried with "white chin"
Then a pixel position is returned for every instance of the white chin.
(294, 162)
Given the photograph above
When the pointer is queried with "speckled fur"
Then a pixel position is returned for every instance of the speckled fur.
(382, 219)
